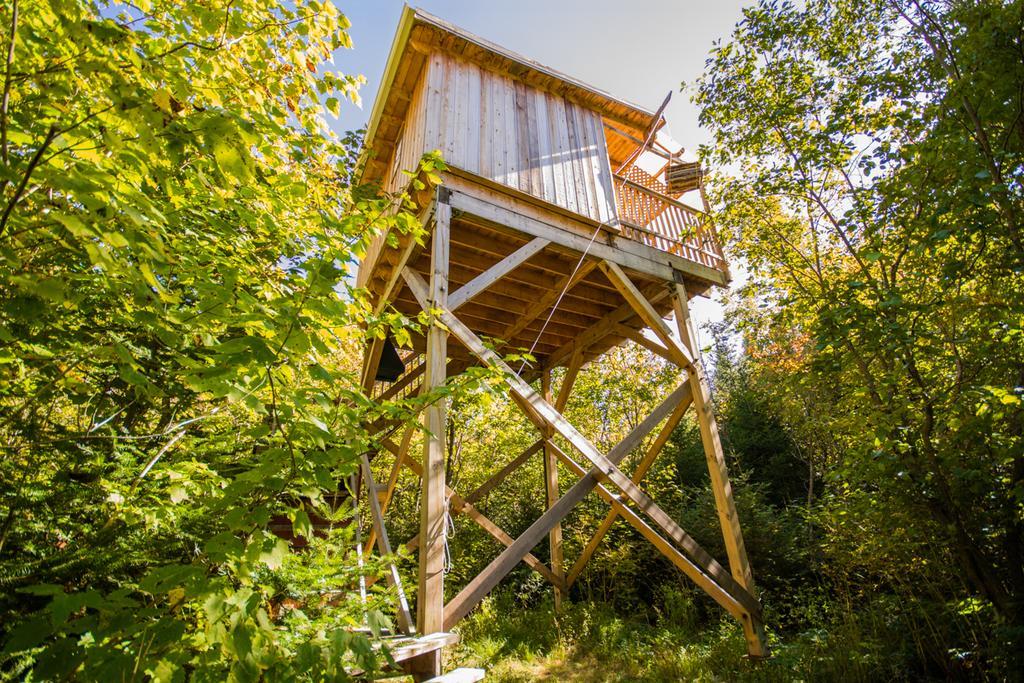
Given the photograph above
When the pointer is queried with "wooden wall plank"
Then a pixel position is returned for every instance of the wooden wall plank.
(512, 178)
(509, 132)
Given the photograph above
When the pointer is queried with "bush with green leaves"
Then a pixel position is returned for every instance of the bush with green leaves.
(181, 339)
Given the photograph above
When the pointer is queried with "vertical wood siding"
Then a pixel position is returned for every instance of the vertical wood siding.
(504, 130)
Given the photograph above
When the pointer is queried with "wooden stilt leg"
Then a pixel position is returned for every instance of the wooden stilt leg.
(384, 547)
(354, 485)
(551, 489)
(392, 482)
(433, 523)
(727, 515)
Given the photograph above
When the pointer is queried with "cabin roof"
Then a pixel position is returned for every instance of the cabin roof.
(419, 33)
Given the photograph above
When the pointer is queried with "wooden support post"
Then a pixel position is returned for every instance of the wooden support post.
(433, 522)
(551, 489)
(727, 515)
(354, 487)
(370, 363)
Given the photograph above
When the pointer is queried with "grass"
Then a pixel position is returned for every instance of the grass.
(590, 643)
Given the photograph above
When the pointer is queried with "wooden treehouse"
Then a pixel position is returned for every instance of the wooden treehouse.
(547, 235)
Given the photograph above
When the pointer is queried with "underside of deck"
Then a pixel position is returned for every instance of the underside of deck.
(519, 313)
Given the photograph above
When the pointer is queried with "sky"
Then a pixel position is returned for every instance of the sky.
(637, 50)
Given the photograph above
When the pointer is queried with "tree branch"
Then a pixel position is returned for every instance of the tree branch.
(50, 135)
(7, 82)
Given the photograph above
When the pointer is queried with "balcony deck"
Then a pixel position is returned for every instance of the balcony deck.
(659, 221)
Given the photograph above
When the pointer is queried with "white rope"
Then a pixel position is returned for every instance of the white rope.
(449, 524)
(561, 295)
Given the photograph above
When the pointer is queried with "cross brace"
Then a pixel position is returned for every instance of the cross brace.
(603, 469)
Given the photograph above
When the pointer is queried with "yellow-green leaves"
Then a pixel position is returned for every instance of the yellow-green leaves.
(162, 98)
(179, 333)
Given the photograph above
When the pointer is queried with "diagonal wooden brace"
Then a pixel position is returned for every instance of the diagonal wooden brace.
(679, 354)
(649, 457)
(460, 505)
(481, 282)
(502, 474)
(688, 566)
(405, 621)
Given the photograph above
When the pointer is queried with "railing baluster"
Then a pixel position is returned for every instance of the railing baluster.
(651, 218)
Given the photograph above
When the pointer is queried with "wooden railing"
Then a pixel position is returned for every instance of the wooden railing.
(650, 217)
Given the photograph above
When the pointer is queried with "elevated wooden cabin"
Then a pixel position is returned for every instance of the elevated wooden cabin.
(546, 235)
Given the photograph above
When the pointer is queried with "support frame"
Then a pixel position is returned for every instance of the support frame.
(733, 589)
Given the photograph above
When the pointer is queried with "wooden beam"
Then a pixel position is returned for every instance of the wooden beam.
(723, 597)
(572, 371)
(648, 135)
(625, 252)
(551, 490)
(371, 360)
(603, 327)
(403, 452)
(500, 566)
(502, 474)
(538, 405)
(433, 523)
(411, 248)
(548, 300)
(604, 469)
(719, 474)
(396, 469)
(647, 313)
(638, 337)
(634, 139)
(423, 645)
(405, 622)
(496, 272)
(460, 505)
(649, 457)
(705, 562)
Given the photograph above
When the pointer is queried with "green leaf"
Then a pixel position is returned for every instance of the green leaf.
(274, 557)
(334, 106)
(301, 524)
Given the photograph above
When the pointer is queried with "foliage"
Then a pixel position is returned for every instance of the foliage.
(179, 375)
(875, 152)
(178, 365)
